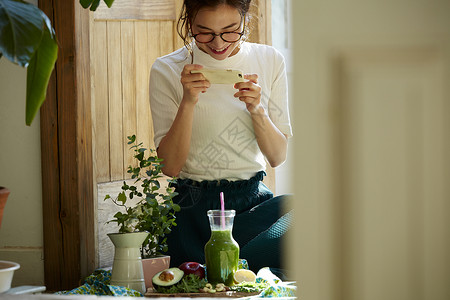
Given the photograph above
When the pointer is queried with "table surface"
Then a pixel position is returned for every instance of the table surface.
(93, 297)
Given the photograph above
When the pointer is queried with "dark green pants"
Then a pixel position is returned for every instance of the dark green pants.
(260, 223)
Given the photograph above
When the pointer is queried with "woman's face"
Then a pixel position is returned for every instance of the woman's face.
(222, 18)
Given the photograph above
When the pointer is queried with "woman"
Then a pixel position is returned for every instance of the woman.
(216, 138)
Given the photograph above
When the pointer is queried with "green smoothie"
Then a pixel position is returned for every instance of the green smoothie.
(222, 257)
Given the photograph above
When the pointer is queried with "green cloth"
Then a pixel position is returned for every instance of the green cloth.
(277, 288)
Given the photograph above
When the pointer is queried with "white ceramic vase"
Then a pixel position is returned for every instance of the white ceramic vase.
(127, 268)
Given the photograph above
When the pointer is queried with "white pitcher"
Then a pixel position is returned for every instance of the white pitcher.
(127, 266)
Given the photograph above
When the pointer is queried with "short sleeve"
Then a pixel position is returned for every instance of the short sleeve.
(163, 98)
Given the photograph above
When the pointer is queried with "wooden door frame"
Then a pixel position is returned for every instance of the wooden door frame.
(66, 152)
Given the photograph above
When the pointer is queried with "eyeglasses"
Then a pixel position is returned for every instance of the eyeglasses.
(229, 37)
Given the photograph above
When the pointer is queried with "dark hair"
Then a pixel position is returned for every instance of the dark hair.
(191, 8)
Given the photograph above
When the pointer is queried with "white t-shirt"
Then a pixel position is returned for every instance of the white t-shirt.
(223, 143)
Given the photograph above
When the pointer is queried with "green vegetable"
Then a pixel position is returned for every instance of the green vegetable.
(249, 287)
(188, 284)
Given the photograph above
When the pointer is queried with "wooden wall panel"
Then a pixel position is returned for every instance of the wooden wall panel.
(178, 42)
(100, 102)
(86, 204)
(260, 22)
(166, 36)
(115, 100)
(137, 10)
(121, 80)
(144, 130)
(154, 41)
(129, 85)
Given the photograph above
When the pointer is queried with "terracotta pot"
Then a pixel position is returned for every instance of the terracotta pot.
(152, 266)
(4, 192)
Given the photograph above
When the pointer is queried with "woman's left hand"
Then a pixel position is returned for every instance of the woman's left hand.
(249, 92)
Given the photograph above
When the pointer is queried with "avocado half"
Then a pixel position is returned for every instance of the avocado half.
(167, 277)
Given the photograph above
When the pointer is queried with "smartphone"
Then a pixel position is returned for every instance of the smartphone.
(221, 76)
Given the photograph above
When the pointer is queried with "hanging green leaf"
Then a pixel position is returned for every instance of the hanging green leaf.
(109, 3)
(86, 3)
(21, 30)
(27, 39)
(93, 4)
(38, 74)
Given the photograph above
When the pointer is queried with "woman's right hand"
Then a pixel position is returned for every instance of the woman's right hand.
(193, 84)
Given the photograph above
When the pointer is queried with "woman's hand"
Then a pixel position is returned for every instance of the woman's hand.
(193, 84)
(249, 92)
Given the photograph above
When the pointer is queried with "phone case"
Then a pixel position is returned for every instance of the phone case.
(221, 76)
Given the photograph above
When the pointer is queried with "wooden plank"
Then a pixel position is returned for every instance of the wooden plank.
(268, 22)
(144, 131)
(60, 153)
(137, 10)
(154, 41)
(154, 51)
(100, 102)
(67, 134)
(87, 261)
(50, 180)
(178, 42)
(166, 37)
(260, 22)
(128, 61)
(115, 99)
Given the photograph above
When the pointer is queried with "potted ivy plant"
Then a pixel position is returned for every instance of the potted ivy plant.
(144, 208)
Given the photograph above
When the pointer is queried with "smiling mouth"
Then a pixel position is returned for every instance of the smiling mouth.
(219, 51)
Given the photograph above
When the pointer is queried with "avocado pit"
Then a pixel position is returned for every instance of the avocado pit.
(166, 275)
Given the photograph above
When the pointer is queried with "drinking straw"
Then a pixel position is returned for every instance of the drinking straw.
(222, 211)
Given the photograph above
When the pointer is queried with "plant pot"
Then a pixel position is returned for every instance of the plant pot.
(127, 268)
(7, 269)
(4, 192)
(152, 266)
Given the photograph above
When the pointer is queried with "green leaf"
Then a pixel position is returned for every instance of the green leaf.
(131, 139)
(94, 5)
(122, 197)
(86, 3)
(21, 30)
(140, 156)
(38, 74)
(109, 3)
